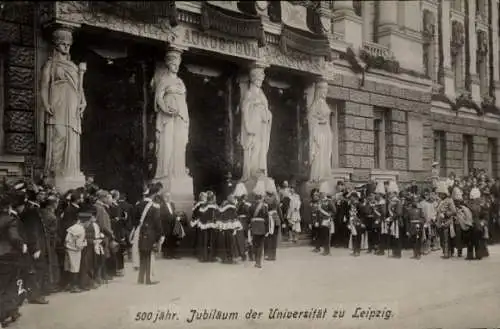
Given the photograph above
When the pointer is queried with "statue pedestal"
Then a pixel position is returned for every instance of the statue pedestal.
(181, 194)
(65, 183)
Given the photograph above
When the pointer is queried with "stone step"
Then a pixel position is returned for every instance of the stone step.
(11, 165)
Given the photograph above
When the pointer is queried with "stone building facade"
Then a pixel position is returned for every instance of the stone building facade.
(405, 89)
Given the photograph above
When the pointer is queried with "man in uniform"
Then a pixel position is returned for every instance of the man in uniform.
(415, 223)
(243, 213)
(446, 211)
(259, 223)
(325, 215)
(275, 220)
(315, 220)
(149, 228)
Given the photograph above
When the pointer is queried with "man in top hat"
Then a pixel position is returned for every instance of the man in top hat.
(37, 247)
(104, 221)
(259, 222)
(148, 226)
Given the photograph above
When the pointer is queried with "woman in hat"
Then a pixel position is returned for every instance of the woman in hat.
(74, 243)
(48, 209)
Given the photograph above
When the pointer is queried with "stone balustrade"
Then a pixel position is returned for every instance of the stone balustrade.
(377, 50)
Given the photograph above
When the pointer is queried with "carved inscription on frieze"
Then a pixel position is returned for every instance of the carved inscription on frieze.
(232, 47)
(296, 61)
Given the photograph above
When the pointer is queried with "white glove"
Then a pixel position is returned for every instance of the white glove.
(25, 248)
(36, 255)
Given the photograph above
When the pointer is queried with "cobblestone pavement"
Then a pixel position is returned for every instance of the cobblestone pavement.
(430, 293)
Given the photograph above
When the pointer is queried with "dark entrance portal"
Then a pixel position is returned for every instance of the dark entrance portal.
(286, 102)
(209, 95)
(113, 124)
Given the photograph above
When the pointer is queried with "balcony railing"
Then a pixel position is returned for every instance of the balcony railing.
(377, 50)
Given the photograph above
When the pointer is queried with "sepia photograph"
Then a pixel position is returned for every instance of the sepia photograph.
(250, 164)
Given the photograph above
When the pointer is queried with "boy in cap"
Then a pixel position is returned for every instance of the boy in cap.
(75, 242)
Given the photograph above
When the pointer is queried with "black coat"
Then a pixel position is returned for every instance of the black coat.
(167, 215)
(34, 229)
(151, 229)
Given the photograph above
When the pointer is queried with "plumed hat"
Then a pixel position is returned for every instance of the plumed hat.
(354, 194)
(442, 188)
(393, 187)
(325, 188)
(270, 186)
(260, 188)
(240, 190)
(457, 194)
(380, 189)
(475, 193)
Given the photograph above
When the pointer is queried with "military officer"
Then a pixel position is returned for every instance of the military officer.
(259, 223)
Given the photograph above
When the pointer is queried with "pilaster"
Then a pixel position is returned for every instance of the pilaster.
(401, 40)
(346, 22)
(472, 49)
(449, 84)
(495, 52)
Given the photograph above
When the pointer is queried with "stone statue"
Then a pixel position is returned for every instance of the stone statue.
(320, 134)
(172, 121)
(256, 120)
(63, 103)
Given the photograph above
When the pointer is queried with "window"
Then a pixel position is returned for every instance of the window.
(440, 151)
(336, 108)
(468, 160)
(492, 157)
(379, 130)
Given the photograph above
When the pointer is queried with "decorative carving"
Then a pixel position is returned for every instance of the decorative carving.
(320, 134)
(63, 103)
(78, 12)
(20, 143)
(151, 12)
(226, 21)
(294, 60)
(261, 7)
(19, 121)
(172, 120)
(457, 37)
(256, 120)
(429, 26)
(301, 41)
(482, 45)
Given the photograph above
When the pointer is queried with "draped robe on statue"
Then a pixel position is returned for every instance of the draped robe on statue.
(320, 140)
(255, 132)
(172, 129)
(63, 128)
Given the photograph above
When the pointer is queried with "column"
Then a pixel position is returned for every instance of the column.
(178, 184)
(255, 159)
(447, 79)
(346, 22)
(62, 165)
(495, 52)
(472, 46)
(388, 13)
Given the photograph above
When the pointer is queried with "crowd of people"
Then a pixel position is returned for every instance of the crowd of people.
(79, 241)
